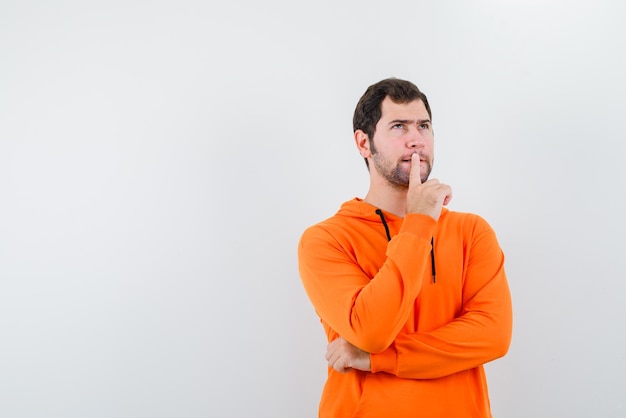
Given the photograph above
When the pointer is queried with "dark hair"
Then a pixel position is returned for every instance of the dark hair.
(368, 111)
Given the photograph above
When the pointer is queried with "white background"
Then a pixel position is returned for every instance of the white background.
(159, 161)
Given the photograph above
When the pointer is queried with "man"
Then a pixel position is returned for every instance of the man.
(413, 297)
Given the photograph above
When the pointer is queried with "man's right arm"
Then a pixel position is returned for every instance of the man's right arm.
(369, 312)
(366, 311)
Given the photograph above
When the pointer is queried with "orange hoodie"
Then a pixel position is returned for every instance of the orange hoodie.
(428, 335)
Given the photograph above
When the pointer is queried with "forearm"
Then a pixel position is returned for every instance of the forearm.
(481, 334)
(367, 311)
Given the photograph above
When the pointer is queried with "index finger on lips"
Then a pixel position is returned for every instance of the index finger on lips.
(415, 176)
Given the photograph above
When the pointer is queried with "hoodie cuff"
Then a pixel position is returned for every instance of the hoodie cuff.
(416, 232)
(384, 362)
(419, 224)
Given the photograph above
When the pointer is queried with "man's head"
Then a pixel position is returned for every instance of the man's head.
(368, 110)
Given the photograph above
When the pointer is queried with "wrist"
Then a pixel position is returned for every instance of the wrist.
(385, 361)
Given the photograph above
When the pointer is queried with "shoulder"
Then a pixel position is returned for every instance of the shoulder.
(469, 223)
(328, 230)
(351, 217)
(462, 218)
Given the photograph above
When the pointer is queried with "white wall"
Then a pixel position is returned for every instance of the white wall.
(159, 160)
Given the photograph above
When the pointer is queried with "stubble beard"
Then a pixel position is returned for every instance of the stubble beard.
(397, 176)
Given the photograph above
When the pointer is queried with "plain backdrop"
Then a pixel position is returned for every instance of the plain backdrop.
(159, 161)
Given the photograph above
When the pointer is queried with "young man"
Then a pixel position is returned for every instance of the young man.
(413, 297)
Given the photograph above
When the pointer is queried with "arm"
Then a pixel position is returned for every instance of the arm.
(480, 334)
(366, 311)
(370, 311)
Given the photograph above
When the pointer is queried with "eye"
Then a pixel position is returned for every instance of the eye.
(397, 126)
(424, 126)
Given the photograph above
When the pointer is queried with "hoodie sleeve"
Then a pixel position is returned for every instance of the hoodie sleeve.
(367, 311)
(481, 333)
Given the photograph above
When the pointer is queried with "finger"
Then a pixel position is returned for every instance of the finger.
(415, 176)
(448, 197)
(330, 358)
(340, 365)
(332, 346)
(332, 355)
(335, 362)
(445, 193)
(331, 363)
(330, 352)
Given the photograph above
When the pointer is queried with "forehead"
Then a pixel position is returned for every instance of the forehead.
(414, 110)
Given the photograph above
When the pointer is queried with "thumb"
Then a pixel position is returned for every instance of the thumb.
(415, 176)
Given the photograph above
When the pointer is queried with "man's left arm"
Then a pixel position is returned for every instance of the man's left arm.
(475, 338)
(481, 333)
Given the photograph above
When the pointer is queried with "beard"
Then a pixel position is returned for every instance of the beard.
(397, 174)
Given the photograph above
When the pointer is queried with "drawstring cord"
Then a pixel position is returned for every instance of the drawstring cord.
(384, 221)
(432, 243)
(432, 258)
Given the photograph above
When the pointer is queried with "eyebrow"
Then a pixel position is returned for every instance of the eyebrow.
(409, 121)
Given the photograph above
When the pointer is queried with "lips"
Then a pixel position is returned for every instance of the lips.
(407, 158)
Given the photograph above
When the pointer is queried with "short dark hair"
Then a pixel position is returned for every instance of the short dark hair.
(368, 109)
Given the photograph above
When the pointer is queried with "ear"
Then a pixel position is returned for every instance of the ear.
(362, 143)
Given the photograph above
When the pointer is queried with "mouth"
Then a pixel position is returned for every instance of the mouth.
(408, 159)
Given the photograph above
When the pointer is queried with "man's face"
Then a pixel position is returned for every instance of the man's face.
(403, 129)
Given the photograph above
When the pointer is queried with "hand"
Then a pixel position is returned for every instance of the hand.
(428, 197)
(343, 357)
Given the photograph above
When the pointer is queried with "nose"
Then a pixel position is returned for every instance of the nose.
(415, 139)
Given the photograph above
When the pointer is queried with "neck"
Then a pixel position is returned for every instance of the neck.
(386, 197)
